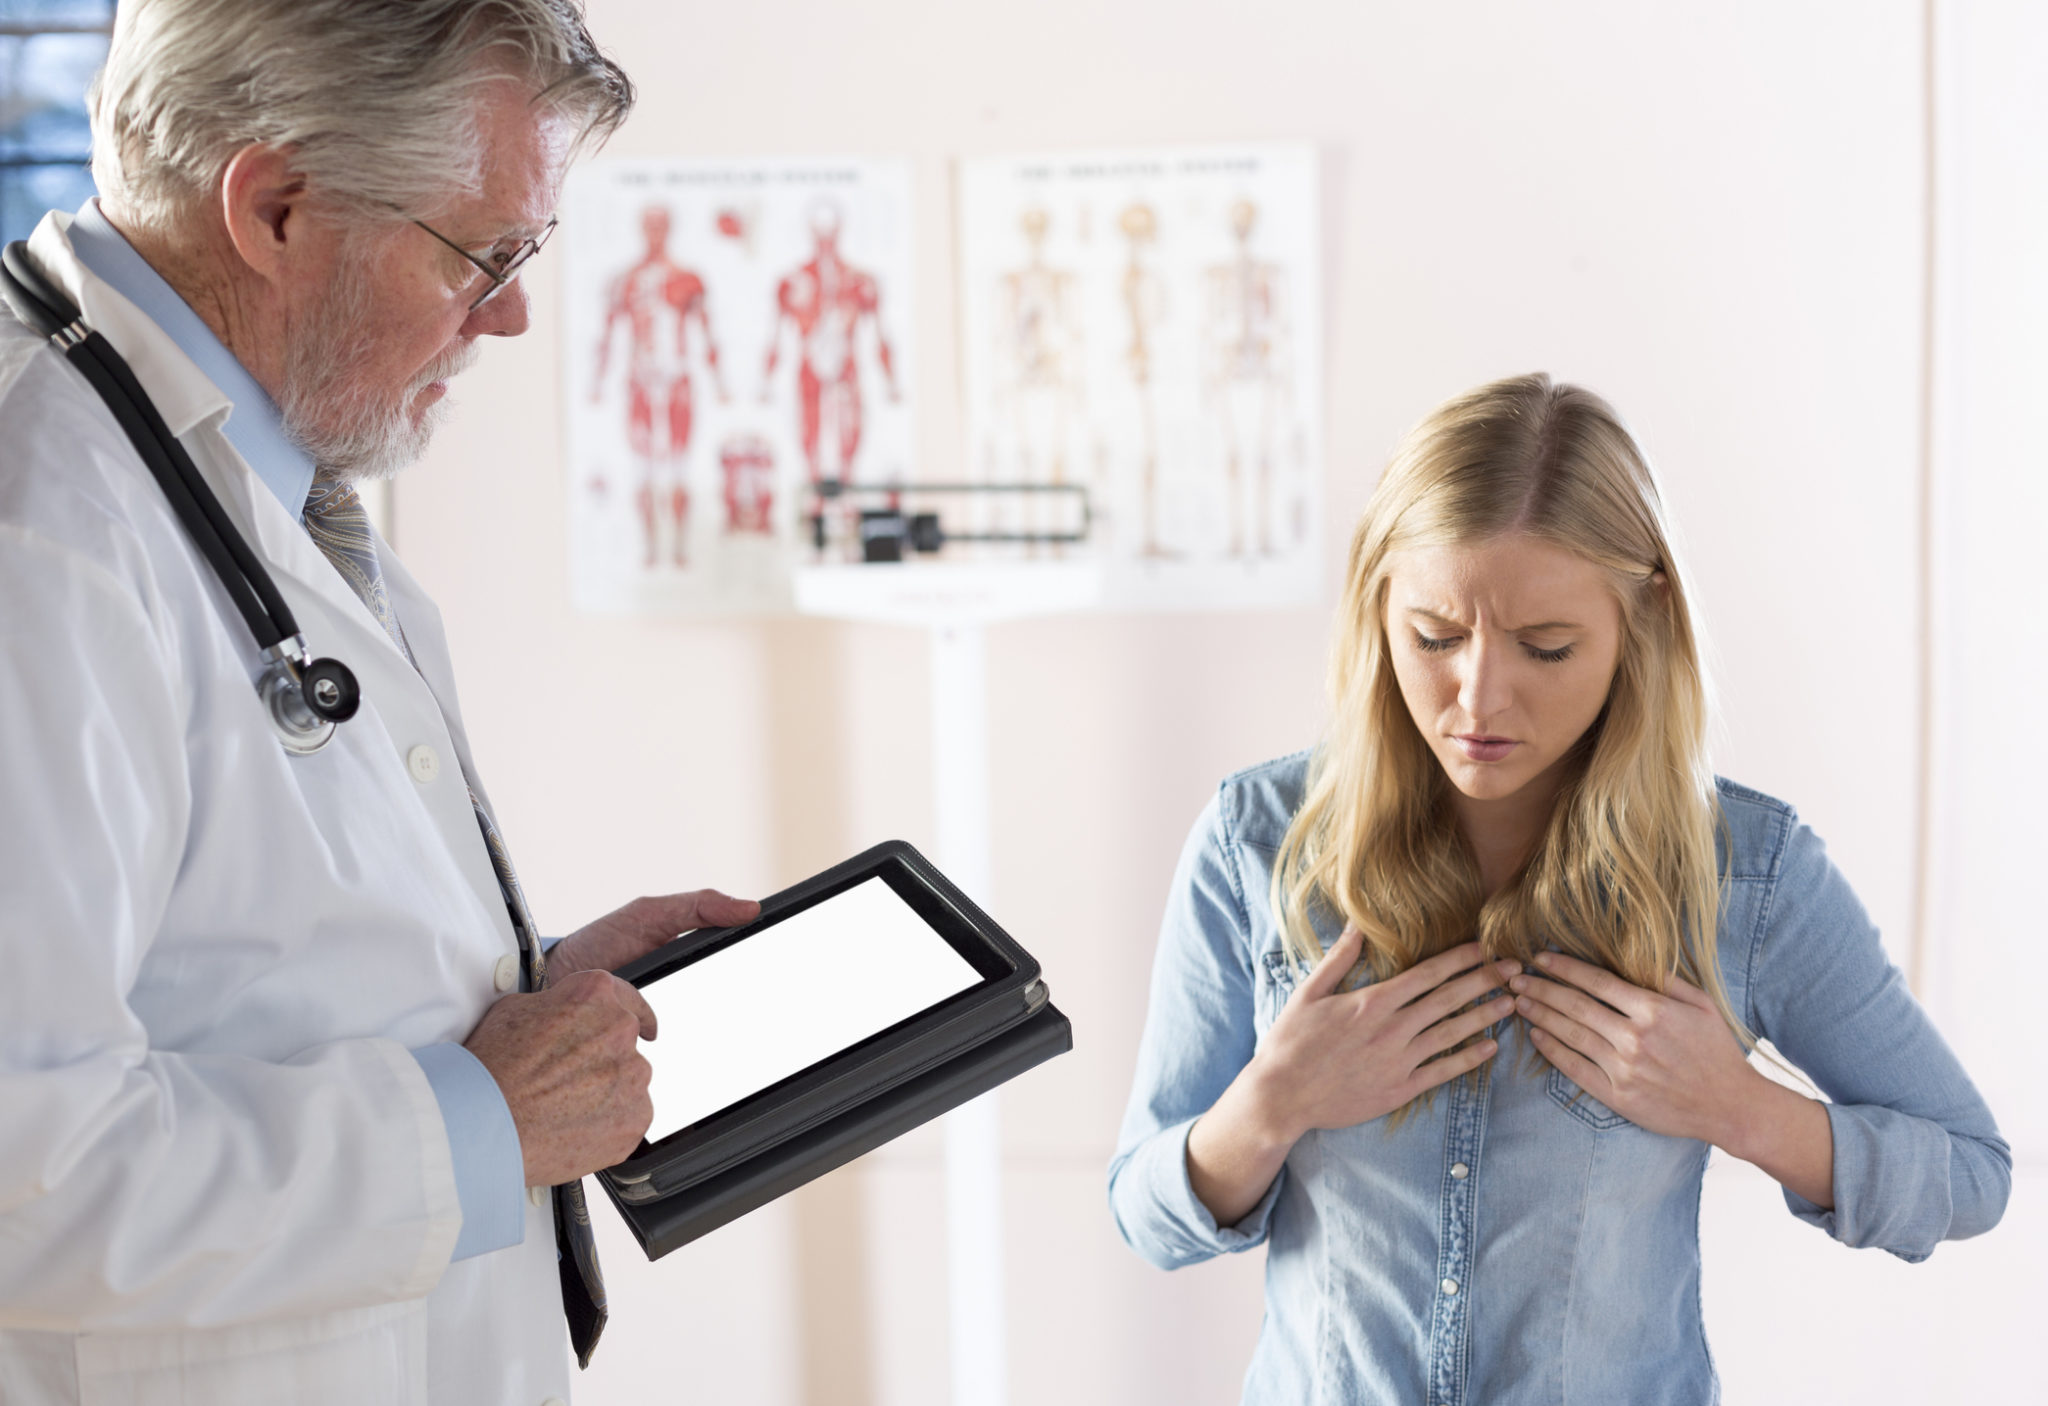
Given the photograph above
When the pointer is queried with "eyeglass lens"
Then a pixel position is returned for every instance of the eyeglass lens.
(502, 278)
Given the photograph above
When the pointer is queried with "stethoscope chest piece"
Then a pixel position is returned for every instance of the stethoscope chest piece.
(305, 704)
(304, 697)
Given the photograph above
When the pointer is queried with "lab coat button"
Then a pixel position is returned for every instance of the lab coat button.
(537, 1194)
(1459, 1171)
(505, 975)
(424, 763)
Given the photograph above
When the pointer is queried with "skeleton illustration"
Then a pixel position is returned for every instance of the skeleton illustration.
(1248, 379)
(1144, 304)
(1038, 364)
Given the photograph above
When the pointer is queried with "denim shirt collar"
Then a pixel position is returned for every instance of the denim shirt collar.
(253, 425)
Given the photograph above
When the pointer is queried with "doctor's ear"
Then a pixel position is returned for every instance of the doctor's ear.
(263, 205)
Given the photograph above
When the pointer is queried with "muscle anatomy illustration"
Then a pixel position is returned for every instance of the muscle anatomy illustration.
(825, 302)
(1248, 380)
(655, 302)
(748, 464)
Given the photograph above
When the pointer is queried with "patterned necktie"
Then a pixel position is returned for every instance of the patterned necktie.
(341, 529)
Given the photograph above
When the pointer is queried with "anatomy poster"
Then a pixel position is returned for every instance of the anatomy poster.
(737, 332)
(1146, 325)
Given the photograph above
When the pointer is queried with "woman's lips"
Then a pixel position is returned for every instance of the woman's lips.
(1484, 749)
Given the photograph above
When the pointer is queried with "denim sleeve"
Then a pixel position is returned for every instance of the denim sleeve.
(1918, 1159)
(1198, 1035)
(489, 1166)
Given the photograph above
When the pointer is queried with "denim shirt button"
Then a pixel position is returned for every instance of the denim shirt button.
(1459, 1171)
(1450, 1286)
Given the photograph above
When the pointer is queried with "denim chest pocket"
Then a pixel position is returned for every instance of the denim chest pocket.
(1582, 1105)
(1277, 978)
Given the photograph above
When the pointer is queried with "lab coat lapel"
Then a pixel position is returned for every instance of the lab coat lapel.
(333, 618)
(183, 396)
(424, 631)
(187, 399)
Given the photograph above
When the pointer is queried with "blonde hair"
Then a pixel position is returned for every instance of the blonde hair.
(1625, 874)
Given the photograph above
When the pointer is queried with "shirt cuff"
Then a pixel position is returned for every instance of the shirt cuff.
(484, 1143)
(1891, 1182)
(1155, 1205)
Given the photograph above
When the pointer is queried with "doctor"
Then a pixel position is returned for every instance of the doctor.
(290, 1109)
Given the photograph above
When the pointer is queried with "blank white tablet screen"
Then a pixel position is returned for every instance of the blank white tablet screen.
(794, 993)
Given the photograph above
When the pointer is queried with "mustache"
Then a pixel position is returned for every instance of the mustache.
(446, 366)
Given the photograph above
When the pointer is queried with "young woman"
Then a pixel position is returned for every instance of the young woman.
(1449, 1012)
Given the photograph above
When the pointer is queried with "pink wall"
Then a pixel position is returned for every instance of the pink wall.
(1715, 216)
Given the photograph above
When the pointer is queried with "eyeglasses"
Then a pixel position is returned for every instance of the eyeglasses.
(500, 274)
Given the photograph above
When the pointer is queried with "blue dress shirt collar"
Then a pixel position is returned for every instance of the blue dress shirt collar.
(253, 426)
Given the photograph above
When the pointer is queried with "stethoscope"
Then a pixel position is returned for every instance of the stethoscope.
(304, 696)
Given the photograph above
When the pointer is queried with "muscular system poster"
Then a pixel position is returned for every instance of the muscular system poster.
(1147, 324)
(736, 332)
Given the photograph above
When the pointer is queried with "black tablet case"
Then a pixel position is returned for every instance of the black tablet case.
(940, 1063)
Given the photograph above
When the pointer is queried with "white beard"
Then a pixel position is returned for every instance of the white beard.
(329, 410)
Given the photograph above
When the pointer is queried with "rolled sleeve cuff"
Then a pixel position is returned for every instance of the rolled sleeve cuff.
(1164, 1220)
(1891, 1182)
(485, 1146)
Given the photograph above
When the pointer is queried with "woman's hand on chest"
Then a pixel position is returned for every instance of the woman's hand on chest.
(1335, 1058)
(1666, 1062)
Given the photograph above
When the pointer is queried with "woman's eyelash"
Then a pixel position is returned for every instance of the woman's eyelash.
(1430, 645)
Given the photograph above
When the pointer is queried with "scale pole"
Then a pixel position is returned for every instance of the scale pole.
(974, 1167)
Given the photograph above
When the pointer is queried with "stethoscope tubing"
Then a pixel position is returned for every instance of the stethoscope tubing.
(305, 697)
(248, 585)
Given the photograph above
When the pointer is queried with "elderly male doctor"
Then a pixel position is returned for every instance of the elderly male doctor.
(286, 1117)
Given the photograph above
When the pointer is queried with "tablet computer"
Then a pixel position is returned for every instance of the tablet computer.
(853, 983)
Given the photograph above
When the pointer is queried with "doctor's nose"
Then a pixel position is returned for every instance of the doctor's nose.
(506, 315)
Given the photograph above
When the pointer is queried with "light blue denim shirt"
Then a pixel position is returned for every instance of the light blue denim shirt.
(482, 1137)
(1516, 1241)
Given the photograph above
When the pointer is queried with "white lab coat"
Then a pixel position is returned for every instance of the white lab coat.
(223, 1178)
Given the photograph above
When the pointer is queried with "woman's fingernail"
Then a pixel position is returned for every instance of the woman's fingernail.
(1543, 959)
(1523, 1003)
(1518, 983)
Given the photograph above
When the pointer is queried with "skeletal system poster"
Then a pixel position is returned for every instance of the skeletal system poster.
(736, 332)
(1147, 325)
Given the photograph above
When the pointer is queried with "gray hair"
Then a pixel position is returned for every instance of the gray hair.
(377, 98)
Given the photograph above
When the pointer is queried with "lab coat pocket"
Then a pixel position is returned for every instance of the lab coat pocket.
(350, 1356)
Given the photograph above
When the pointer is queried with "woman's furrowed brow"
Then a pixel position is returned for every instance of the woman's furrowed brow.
(1435, 619)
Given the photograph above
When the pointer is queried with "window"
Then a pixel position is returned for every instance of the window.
(49, 51)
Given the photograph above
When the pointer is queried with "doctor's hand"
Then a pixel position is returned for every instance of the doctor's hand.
(568, 1063)
(641, 926)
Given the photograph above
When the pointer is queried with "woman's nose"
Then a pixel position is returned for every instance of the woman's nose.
(1483, 690)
